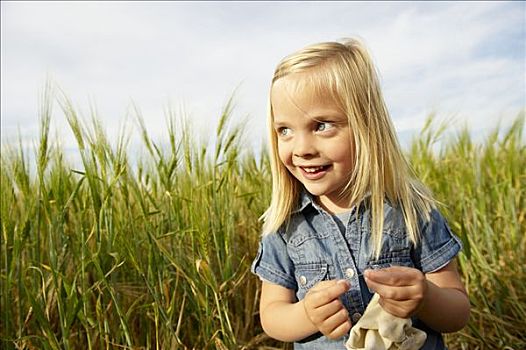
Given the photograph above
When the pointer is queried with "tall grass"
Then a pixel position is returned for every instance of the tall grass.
(483, 187)
(156, 255)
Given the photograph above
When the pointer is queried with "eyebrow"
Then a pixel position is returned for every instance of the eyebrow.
(278, 124)
(332, 116)
(319, 117)
(326, 118)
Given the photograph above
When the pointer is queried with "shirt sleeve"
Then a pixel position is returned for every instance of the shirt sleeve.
(438, 245)
(272, 262)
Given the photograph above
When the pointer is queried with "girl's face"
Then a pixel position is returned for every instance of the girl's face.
(314, 141)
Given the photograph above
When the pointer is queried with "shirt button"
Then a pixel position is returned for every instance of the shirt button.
(349, 273)
(356, 317)
(303, 280)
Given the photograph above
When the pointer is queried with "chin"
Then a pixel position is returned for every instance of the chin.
(315, 192)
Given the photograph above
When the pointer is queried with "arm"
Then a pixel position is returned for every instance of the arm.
(438, 299)
(286, 319)
(282, 317)
(445, 307)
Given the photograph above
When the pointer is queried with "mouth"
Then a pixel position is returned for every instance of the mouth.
(314, 172)
(314, 169)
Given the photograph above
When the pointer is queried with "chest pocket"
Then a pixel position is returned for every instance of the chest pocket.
(307, 275)
(308, 245)
(396, 251)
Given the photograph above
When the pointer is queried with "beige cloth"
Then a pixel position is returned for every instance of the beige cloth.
(379, 330)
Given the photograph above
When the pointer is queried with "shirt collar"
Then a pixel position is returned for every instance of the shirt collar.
(305, 199)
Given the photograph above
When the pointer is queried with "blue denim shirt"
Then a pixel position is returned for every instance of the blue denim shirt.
(311, 248)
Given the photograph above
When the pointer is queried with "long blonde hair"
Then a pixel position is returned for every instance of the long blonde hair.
(345, 71)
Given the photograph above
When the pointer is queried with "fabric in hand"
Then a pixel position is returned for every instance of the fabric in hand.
(379, 330)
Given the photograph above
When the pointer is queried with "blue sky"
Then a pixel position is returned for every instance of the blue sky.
(465, 61)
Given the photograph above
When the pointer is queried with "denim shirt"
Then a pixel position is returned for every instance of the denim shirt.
(311, 248)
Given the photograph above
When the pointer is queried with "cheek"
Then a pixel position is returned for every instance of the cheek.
(347, 162)
(284, 154)
(349, 166)
(345, 158)
(337, 152)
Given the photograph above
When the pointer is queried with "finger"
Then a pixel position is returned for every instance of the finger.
(334, 322)
(395, 275)
(324, 284)
(406, 307)
(324, 296)
(325, 311)
(394, 292)
(341, 330)
(328, 284)
(402, 310)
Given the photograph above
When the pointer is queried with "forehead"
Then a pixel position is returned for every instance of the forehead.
(307, 84)
(300, 94)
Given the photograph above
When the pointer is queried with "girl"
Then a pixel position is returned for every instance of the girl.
(347, 217)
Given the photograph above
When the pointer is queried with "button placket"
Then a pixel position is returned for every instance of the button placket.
(303, 280)
(342, 245)
(356, 317)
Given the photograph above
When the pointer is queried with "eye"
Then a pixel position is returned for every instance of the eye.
(283, 131)
(323, 126)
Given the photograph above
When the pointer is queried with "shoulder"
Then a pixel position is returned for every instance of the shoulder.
(295, 224)
(431, 223)
(434, 225)
(272, 262)
(278, 237)
(393, 217)
(438, 243)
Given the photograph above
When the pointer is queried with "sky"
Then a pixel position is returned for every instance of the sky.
(463, 61)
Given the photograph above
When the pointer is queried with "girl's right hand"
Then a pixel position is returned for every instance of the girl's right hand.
(325, 310)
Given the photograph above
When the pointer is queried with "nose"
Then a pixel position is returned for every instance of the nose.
(304, 146)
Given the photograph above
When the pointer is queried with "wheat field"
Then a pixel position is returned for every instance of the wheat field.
(153, 251)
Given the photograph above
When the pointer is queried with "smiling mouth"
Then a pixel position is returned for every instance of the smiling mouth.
(315, 169)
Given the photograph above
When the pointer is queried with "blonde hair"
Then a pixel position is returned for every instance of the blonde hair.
(346, 72)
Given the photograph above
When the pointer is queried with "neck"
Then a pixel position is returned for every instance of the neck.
(334, 207)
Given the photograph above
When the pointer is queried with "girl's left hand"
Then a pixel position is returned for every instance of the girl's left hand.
(402, 290)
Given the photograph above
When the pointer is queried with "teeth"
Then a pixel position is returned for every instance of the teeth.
(313, 169)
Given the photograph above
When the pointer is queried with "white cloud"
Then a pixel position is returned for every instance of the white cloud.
(455, 58)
